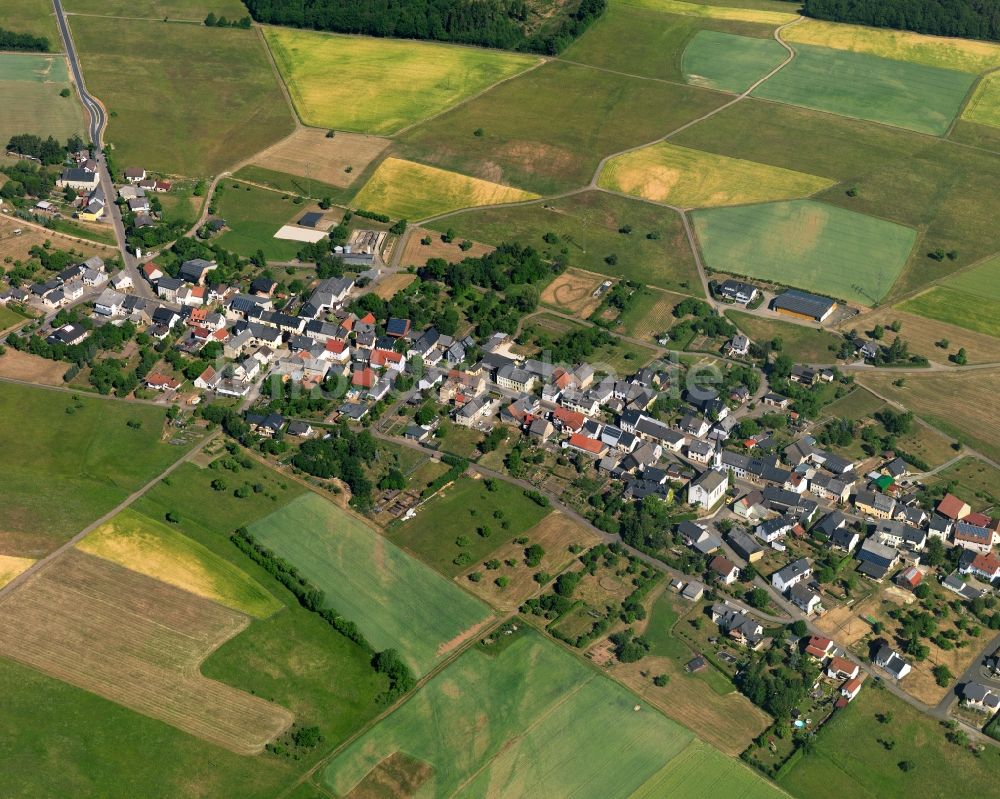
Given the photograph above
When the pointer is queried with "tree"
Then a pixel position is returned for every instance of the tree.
(878, 332)
(211, 20)
(960, 357)
(906, 765)
(757, 598)
(398, 228)
(942, 675)
(533, 555)
(799, 628)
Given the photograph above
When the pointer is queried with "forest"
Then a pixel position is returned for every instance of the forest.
(971, 19)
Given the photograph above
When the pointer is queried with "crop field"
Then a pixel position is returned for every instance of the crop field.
(977, 482)
(150, 547)
(688, 178)
(728, 62)
(311, 154)
(199, 100)
(82, 463)
(984, 106)
(803, 343)
(923, 334)
(650, 314)
(458, 511)
(963, 404)
(862, 86)
(138, 642)
(480, 729)
(573, 292)
(407, 190)
(372, 582)
(982, 281)
(807, 244)
(717, 11)
(11, 566)
(587, 226)
(956, 308)
(964, 55)
(253, 215)
(553, 142)
(191, 10)
(339, 81)
(30, 86)
(555, 534)
(849, 761)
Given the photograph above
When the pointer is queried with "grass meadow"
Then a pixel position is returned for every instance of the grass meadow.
(774, 14)
(36, 17)
(197, 101)
(396, 601)
(807, 244)
(803, 343)
(538, 133)
(190, 10)
(976, 482)
(984, 105)
(956, 308)
(286, 182)
(586, 227)
(688, 178)
(407, 190)
(729, 62)
(339, 81)
(253, 215)
(30, 84)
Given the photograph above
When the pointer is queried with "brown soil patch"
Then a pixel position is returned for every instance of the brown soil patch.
(138, 642)
(602, 654)
(462, 637)
(308, 153)
(846, 625)
(554, 534)
(17, 247)
(32, 369)
(573, 292)
(389, 286)
(396, 777)
(417, 254)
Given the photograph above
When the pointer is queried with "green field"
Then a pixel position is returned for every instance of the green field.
(587, 226)
(30, 86)
(36, 17)
(197, 101)
(807, 244)
(971, 311)
(194, 10)
(803, 343)
(485, 730)
(152, 548)
(63, 470)
(339, 81)
(253, 215)
(727, 62)
(850, 761)
(982, 281)
(458, 511)
(748, 10)
(619, 357)
(538, 135)
(395, 600)
(904, 94)
(984, 106)
(293, 184)
(976, 482)
(9, 317)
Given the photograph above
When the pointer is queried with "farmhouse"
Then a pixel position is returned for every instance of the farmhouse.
(803, 305)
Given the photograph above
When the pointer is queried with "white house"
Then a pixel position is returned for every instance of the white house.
(707, 489)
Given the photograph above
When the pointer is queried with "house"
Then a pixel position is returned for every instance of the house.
(152, 272)
(122, 281)
(728, 571)
(698, 537)
(516, 379)
(951, 507)
(803, 305)
(78, 179)
(909, 578)
(194, 270)
(840, 668)
(110, 303)
(161, 382)
(738, 625)
(851, 688)
(893, 662)
(750, 505)
(791, 574)
(971, 536)
(208, 380)
(700, 451)
(874, 504)
(266, 425)
(939, 527)
(68, 334)
(167, 288)
(707, 489)
(745, 546)
(397, 328)
(771, 530)
(876, 559)
(737, 291)
(541, 428)
(590, 446)
(804, 598)
(263, 286)
(139, 205)
(135, 174)
(957, 585)
(693, 591)
(776, 400)
(819, 647)
(980, 697)
(984, 565)
(695, 665)
(738, 345)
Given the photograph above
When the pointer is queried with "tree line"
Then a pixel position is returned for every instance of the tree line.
(9, 40)
(972, 19)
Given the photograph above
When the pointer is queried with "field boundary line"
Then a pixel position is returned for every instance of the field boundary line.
(281, 82)
(167, 21)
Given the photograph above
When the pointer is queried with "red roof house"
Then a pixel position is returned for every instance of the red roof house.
(953, 507)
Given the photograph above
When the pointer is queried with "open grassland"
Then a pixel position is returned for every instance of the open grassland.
(18, 247)
(587, 227)
(197, 101)
(984, 106)
(924, 334)
(32, 368)
(804, 343)
(9, 317)
(30, 86)
(982, 281)
(152, 548)
(459, 510)
(82, 463)
(417, 254)
(192, 10)
(339, 81)
(848, 759)
(481, 729)
(728, 62)
(36, 17)
(11, 566)
(957, 308)
(574, 292)
(407, 190)
(963, 404)
(538, 133)
(253, 215)
(138, 642)
(903, 94)
(690, 178)
(810, 245)
(310, 153)
(288, 183)
(736, 11)
(395, 600)
(964, 55)
(649, 314)
(976, 482)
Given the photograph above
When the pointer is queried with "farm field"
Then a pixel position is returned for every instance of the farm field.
(806, 244)
(82, 463)
(372, 582)
(689, 178)
(190, 10)
(417, 253)
(803, 343)
(923, 333)
(848, 761)
(18, 247)
(722, 10)
(554, 142)
(650, 314)
(253, 215)
(407, 190)
(573, 292)
(388, 287)
(903, 94)
(457, 511)
(11, 566)
(223, 73)
(962, 404)
(136, 641)
(9, 317)
(291, 184)
(976, 482)
(30, 84)
(36, 17)
(984, 107)
(956, 308)
(152, 548)
(587, 226)
(480, 729)
(31, 368)
(982, 281)
(729, 62)
(337, 81)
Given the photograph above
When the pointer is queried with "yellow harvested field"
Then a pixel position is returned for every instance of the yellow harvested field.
(408, 190)
(372, 85)
(714, 12)
(11, 566)
(688, 178)
(922, 335)
(388, 287)
(18, 246)
(138, 642)
(417, 253)
(964, 55)
(32, 368)
(573, 292)
(984, 107)
(309, 153)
